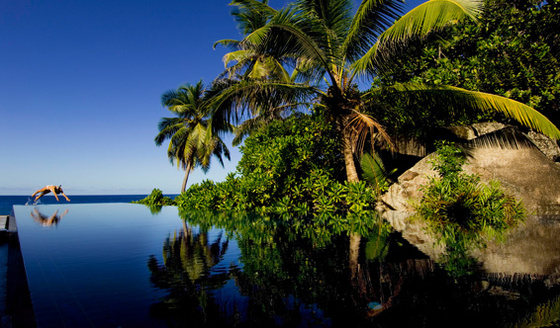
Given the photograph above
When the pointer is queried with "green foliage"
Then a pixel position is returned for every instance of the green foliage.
(374, 172)
(156, 200)
(463, 211)
(290, 172)
(512, 51)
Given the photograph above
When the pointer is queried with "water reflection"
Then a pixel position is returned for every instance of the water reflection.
(378, 280)
(46, 220)
(186, 272)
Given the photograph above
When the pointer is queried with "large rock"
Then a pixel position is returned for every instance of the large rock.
(546, 145)
(527, 174)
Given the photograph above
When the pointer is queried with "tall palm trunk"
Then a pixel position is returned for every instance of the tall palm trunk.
(349, 163)
(187, 172)
(354, 254)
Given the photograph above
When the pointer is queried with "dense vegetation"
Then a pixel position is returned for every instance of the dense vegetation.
(155, 200)
(291, 170)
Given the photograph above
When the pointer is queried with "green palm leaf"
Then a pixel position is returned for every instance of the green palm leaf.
(228, 43)
(287, 36)
(374, 172)
(371, 19)
(454, 97)
(420, 21)
(236, 99)
(251, 14)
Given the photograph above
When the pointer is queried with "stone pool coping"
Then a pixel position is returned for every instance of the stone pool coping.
(16, 308)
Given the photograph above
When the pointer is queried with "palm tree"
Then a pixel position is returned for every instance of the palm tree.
(192, 141)
(329, 45)
(247, 61)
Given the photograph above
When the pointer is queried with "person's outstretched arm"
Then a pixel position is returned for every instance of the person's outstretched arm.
(62, 193)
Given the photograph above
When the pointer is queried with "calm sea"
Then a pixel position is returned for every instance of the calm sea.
(6, 202)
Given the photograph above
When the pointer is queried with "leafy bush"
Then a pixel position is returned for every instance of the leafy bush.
(156, 200)
(462, 210)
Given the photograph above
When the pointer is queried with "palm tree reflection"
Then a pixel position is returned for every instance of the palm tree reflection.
(45, 220)
(187, 272)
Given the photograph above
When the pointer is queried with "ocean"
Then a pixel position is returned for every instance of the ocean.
(6, 202)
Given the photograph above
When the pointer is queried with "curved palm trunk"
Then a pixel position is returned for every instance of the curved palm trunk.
(351, 176)
(187, 172)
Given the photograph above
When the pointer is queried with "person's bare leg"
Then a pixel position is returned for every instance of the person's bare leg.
(42, 194)
(38, 191)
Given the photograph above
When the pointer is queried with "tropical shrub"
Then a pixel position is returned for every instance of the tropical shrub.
(156, 198)
(463, 211)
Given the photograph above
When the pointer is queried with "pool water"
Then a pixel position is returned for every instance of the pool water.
(125, 265)
(90, 269)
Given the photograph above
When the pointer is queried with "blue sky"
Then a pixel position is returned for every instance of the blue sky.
(80, 87)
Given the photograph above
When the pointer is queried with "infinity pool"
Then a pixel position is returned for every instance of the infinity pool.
(125, 265)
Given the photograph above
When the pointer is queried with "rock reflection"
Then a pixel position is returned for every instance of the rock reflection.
(45, 220)
(419, 293)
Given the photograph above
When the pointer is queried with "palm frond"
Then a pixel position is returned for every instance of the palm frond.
(288, 37)
(168, 126)
(251, 14)
(373, 170)
(239, 56)
(233, 99)
(259, 121)
(328, 21)
(257, 36)
(228, 43)
(430, 16)
(454, 97)
(372, 18)
(362, 127)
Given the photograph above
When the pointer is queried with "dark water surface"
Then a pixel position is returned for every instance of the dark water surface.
(124, 265)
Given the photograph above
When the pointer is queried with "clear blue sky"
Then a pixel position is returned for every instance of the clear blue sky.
(80, 87)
